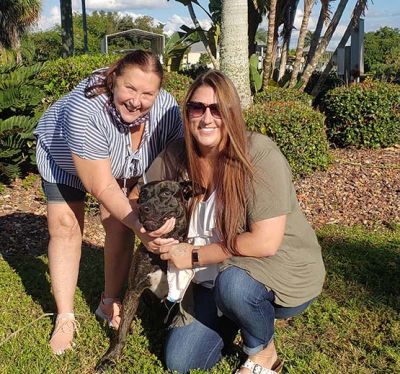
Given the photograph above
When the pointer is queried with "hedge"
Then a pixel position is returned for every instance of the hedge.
(363, 115)
(297, 129)
(282, 94)
(63, 74)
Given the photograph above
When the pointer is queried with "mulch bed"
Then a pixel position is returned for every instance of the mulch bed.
(360, 187)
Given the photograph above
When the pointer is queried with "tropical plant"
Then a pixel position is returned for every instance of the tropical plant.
(308, 4)
(20, 100)
(16, 16)
(358, 10)
(323, 44)
(270, 42)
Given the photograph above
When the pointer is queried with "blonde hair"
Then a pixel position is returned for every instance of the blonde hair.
(233, 171)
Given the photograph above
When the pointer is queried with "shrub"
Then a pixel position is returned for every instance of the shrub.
(176, 84)
(363, 115)
(20, 108)
(62, 75)
(282, 94)
(297, 129)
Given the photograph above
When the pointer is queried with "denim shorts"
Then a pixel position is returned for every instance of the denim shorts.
(61, 193)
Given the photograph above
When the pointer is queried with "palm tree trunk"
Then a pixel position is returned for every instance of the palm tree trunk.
(67, 32)
(323, 15)
(323, 43)
(287, 33)
(84, 26)
(270, 44)
(203, 37)
(234, 47)
(254, 20)
(300, 43)
(357, 12)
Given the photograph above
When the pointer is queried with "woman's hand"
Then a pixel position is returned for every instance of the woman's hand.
(152, 240)
(179, 254)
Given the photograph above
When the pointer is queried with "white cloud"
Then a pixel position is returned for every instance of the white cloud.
(175, 22)
(115, 5)
(49, 20)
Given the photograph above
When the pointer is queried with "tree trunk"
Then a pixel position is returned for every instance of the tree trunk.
(234, 47)
(254, 20)
(287, 33)
(317, 33)
(203, 37)
(357, 12)
(300, 43)
(84, 27)
(270, 44)
(323, 43)
(67, 33)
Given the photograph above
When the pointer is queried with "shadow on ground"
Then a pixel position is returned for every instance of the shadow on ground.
(368, 264)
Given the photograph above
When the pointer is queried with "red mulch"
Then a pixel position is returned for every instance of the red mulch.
(360, 187)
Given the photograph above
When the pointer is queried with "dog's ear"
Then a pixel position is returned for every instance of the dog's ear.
(191, 189)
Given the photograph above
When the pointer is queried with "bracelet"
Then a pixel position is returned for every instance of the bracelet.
(195, 257)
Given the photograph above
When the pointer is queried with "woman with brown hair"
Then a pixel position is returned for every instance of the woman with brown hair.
(100, 138)
(255, 256)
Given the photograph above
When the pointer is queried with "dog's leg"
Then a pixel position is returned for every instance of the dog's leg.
(139, 280)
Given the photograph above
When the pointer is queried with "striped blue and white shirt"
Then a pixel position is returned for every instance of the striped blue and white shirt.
(80, 125)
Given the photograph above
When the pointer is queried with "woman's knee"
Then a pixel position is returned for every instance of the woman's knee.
(65, 226)
(192, 347)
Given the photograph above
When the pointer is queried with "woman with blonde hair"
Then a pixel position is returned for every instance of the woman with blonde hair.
(255, 256)
(100, 138)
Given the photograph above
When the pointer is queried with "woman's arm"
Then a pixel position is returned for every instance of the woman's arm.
(97, 178)
(263, 240)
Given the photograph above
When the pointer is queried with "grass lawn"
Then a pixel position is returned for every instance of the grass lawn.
(353, 327)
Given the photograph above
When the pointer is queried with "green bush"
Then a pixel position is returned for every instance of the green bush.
(62, 75)
(282, 94)
(363, 115)
(297, 129)
(20, 108)
(177, 84)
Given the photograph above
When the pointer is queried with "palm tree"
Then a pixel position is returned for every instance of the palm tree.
(323, 17)
(287, 33)
(270, 43)
(16, 16)
(300, 43)
(234, 60)
(323, 43)
(358, 10)
(84, 27)
(66, 26)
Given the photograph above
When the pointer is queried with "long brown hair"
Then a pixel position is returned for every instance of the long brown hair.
(104, 80)
(233, 171)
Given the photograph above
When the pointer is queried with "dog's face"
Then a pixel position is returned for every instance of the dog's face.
(161, 200)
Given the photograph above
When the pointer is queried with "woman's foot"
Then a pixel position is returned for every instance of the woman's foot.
(63, 333)
(109, 310)
(262, 362)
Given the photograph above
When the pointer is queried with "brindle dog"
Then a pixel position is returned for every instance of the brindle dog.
(158, 201)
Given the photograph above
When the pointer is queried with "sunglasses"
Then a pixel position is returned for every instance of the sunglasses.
(196, 109)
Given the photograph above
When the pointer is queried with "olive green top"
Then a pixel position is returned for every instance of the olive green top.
(296, 272)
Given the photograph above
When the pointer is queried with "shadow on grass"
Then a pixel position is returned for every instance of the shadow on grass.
(23, 245)
(24, 240)
(365, 259)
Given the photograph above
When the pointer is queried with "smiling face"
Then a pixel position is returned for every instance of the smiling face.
(134, 92)
(207, 129)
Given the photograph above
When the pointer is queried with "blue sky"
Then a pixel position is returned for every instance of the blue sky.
(174, 14)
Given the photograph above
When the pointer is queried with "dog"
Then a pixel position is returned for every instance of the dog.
(158, 201)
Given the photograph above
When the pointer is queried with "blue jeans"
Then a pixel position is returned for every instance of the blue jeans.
(246, 305)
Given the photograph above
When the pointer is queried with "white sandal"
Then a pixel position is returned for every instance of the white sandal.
(65, 325)
(258, 369)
